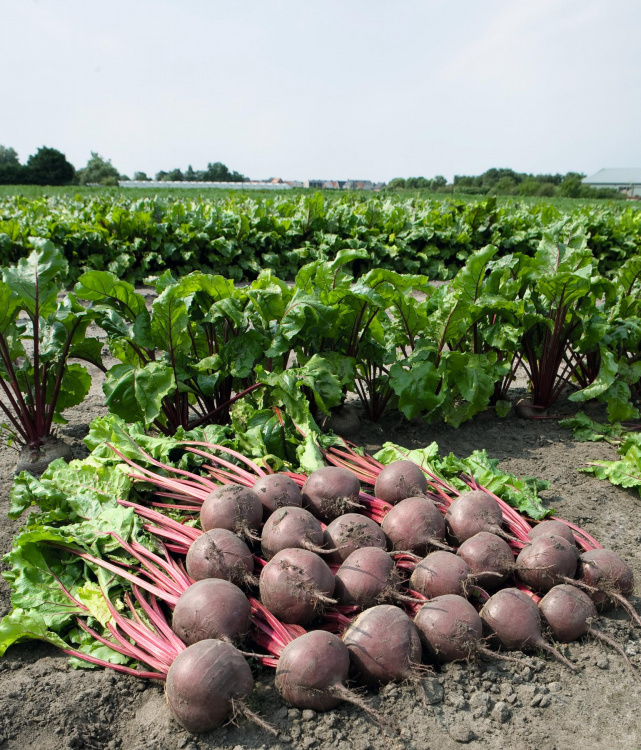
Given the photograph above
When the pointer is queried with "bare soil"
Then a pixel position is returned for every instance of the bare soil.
(45, 704)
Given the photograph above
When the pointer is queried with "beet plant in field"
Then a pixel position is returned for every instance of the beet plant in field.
(562, 318)
(38, 335)
(618, 382)
(372, 319)
(463, 349)
(203, 345)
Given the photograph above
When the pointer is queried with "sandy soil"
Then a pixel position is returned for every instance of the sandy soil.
(487, 706)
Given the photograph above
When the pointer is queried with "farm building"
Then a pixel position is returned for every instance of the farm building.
(625, 180)
(204, 185)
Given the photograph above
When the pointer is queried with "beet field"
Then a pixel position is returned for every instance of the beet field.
(313, 472)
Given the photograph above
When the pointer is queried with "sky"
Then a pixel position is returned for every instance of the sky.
(328, 89)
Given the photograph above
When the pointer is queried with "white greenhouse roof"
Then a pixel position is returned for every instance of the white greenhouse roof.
(622, 176)
(185, 184)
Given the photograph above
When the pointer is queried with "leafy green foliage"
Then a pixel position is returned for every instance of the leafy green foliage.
(239, 235)
(625, 472)
(38, 335)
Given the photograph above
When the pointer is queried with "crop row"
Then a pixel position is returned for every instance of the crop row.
(395, 340)
(239, 237)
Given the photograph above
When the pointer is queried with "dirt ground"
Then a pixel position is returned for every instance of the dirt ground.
(47, 705)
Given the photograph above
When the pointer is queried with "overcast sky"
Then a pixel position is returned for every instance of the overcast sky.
(325, 88)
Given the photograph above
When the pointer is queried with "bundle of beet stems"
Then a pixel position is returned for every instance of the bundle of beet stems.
(415, 572)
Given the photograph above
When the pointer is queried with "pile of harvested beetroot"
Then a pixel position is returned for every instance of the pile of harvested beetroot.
(327, 583)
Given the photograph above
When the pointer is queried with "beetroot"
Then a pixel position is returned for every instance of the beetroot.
(440, 573)
(605, 571)
(414, 525)
(546, 561)
(367, 577)
(232, 507)
(514, 619)
(205, 682)
(558, 528)
(607, 579)
(331, 491)
(295, 585)
(400, 480)
(311, 673)
(350, 532)
(471, 513)
(277, 491)
(289, 528)
(450, 628)
(218, 553)
(570, 614)
(212, 608)
(568, 611)
(384, 645)
(489, 557)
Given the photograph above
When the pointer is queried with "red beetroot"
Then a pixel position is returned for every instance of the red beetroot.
(232, 507)
(289, 528)
(206, 683)
(312, 671)
(295, 585)
(489, 557)
(546, 561)
(571, 614)
(607, 579)
(568, 611)
(366, 578)
(449, 627)
(605, 571)
(331, 491)
(219, 553)
(212, 608)
(414, 525)
(277, 491)
(471, 513)
(440, 573)
(514, 619)
(400, 480)
(384, 645)
(350, 532)
(558, 528)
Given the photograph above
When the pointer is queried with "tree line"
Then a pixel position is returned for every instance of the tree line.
(48, 166)
(508, 182)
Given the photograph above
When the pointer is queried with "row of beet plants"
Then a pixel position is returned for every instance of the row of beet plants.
(207, 351)
(239, 236)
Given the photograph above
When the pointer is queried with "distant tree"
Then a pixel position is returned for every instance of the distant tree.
(398, 183)
(546, 189)
(175, 175)
(438, 182)
(11, 171)
(505, 185)
(571, 187)
(218, 172)
(141, 177)
(48, 166)
(190, 175)
(98, 171)
(161, 176)
(416, 182)
(529, 186)
(8, 157)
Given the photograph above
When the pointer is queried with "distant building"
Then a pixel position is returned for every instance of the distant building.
(624, 180)
(343, 184)
(358, 185)
(253, 185)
